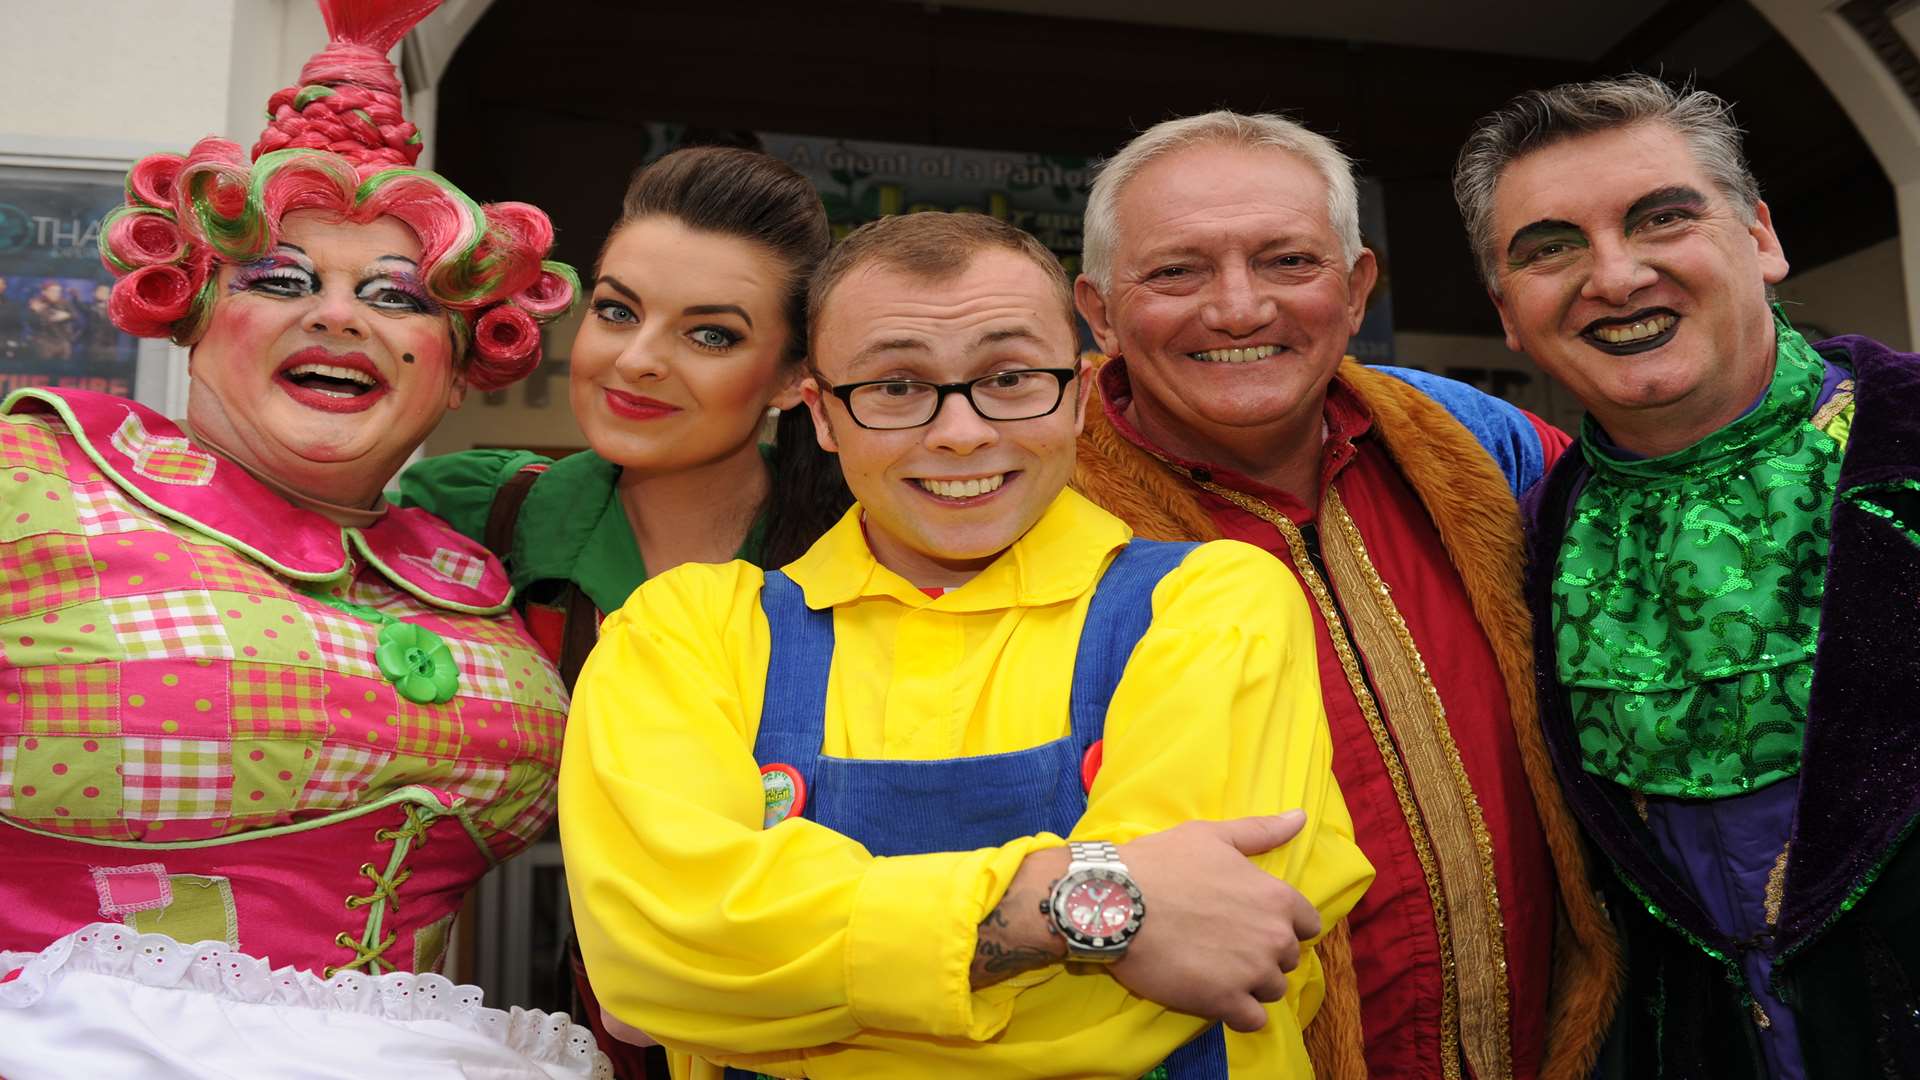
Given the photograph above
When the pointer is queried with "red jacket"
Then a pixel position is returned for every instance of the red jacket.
(1439, 528)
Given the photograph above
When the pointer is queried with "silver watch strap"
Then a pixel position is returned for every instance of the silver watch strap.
(1096, 852)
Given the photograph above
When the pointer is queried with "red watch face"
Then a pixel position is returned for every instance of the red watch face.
(1098, 908)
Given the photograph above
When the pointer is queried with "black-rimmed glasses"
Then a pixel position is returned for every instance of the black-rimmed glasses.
(892, 404)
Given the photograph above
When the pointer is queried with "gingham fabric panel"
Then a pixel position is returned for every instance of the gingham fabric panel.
(158, 685)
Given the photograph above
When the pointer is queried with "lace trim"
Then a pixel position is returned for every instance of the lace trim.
(212, 967)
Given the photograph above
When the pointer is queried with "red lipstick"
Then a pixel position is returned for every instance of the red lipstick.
(329, 393)
(637, 407)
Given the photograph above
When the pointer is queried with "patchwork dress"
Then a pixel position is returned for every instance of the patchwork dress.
(247, 751)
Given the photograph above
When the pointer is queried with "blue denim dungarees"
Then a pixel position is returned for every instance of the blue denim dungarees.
(959, 804)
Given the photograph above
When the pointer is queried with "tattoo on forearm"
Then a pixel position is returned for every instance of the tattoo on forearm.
(995, 958)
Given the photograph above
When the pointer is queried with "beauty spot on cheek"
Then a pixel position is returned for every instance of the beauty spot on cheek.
(406, 358)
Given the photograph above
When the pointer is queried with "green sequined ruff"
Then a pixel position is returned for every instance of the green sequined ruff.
(1686, 601)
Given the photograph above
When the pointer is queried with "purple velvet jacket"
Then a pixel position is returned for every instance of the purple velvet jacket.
(1845, 951)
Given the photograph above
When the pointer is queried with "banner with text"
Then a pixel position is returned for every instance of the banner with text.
(54, 329)
(1045, 194)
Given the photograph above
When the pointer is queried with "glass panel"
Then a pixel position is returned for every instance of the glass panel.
(894, 404)
(54, 329)
(1015, 395)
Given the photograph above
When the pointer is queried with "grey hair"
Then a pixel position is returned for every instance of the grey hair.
(1101, 230)
(1540, 118)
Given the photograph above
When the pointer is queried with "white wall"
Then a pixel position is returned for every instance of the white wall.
(149, 75)
(270, 40)
(131, 71)
(1864, 293)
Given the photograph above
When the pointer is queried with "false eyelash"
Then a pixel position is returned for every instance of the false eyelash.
(266, 269)
(413, 285)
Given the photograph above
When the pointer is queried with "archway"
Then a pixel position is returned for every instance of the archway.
(1865, 54)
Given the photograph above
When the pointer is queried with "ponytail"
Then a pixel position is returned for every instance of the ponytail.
(807, 494)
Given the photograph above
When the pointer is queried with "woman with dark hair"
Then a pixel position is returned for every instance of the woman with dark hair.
(696, 325)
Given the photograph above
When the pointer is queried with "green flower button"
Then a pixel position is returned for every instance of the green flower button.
(418, 663)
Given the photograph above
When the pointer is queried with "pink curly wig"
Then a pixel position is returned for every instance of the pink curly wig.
(336, 142)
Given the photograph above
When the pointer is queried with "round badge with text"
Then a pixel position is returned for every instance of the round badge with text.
(786, 793)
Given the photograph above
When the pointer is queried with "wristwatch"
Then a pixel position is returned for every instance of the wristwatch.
(1096, 907)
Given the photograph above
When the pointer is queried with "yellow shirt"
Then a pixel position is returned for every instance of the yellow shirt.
(792, 951)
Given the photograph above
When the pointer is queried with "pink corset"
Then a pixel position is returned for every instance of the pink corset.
(373, 889)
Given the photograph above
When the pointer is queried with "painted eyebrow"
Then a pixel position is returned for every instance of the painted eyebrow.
(298, 250)
(613, 283)
(1673, 195)
(305, 260)
(720, 309)
(1537, 231)
(1670, 196)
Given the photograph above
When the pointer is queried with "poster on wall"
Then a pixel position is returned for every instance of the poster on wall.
(54, 329)
(1045, 194)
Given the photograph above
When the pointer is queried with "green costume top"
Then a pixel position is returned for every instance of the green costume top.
(572, 527)
(1686, 599)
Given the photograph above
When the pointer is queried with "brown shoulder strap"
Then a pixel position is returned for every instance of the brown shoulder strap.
(582, 627)
(505, 513)
(581, 634)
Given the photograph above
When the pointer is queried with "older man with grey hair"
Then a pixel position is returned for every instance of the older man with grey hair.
(1724, 584)
(1224, 277)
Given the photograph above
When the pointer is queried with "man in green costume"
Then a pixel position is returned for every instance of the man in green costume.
(1724, 583)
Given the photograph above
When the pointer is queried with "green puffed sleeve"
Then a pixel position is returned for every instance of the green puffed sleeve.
(458, 488)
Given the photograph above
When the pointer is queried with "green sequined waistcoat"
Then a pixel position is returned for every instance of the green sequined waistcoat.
(1686, 600)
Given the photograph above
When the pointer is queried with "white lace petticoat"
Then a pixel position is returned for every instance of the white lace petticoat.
(105, 1001)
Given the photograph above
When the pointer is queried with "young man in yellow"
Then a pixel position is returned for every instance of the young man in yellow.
(817, 821)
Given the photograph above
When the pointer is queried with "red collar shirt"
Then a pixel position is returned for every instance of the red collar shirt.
(1397, 951)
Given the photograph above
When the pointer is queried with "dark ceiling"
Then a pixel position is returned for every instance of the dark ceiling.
(547, 101)
(1508, 27)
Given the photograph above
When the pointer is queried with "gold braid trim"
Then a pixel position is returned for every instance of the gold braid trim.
(1451, 810)
(1389, 756)
(1777, 885)
(1469, 499)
